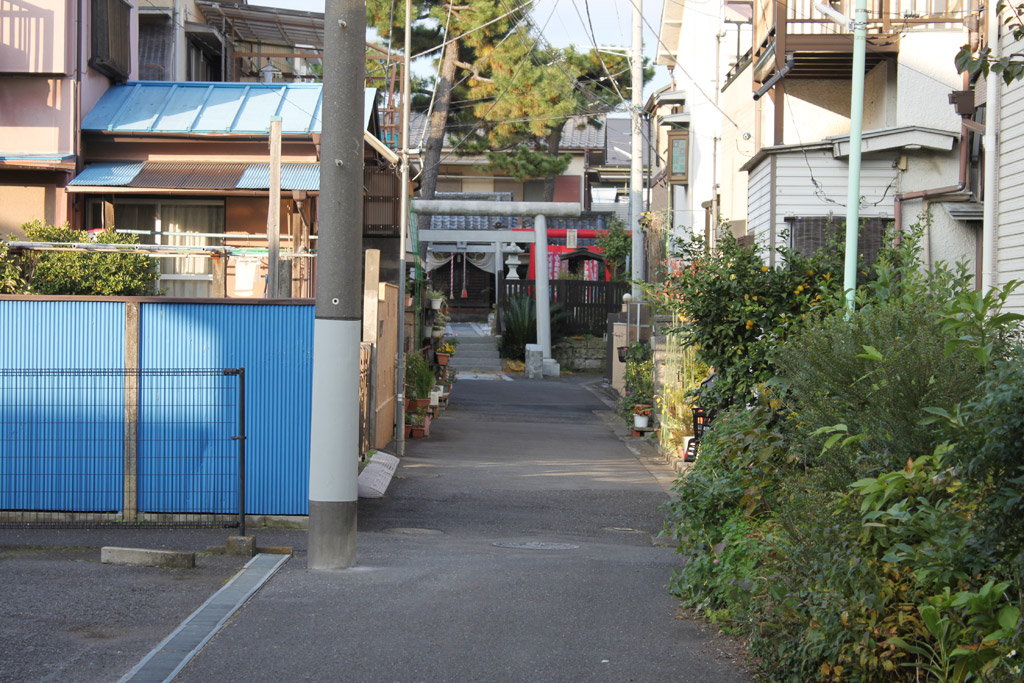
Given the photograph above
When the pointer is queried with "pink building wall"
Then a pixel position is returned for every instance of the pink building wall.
(46, 88)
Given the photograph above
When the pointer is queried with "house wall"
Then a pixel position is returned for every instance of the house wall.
(795, 194)
(180, 12)
(35, 37)
(759, 206)
(42, 100)
(947, 239)
(24, 203)
(880, 97)
(694, 73)
(816, 109)
(37, 116)
(1009, 247)
(737, 147)
(926, 77)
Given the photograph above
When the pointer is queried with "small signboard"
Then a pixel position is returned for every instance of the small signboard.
(570, 239)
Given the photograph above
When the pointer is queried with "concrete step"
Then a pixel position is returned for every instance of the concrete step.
(463, 352)
(486, 365)
(477, 341)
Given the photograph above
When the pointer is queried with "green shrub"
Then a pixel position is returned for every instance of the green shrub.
(638, 380)
(723, 510)
(419, 378)
(861, 519)
(84, 273)
(11, 279)
(519, 319)
(616, 244)
(871, 376)
(735, 308)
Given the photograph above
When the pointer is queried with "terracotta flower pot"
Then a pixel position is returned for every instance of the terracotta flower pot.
(442, 358)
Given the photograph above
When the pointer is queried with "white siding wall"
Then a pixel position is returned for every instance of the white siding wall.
(1010, 245)
(759, 202)
(797, 196)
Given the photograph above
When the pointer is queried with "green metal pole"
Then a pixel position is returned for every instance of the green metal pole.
(856, 126)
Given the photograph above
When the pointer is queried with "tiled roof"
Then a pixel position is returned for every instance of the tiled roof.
(581, 134)
(473, 222)
(619, 134)
(577, 134)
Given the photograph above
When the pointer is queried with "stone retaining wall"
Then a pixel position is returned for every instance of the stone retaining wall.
(580, 354)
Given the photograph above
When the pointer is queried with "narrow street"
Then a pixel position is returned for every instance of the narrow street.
(515, 544)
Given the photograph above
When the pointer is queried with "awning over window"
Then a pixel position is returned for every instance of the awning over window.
(109, 176)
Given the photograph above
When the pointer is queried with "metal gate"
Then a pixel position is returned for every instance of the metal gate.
(122, 447)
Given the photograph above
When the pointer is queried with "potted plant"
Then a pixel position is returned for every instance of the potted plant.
(445, 350)
(418, 380)
(641, 415)
(436, 299)
(417, 424)
(638, 385)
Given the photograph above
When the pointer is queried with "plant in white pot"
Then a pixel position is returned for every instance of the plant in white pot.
(436, 299)
(641, 415)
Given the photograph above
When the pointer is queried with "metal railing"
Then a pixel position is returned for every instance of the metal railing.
(122, 447)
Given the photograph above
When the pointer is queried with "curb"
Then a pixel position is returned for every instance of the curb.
(142, 557)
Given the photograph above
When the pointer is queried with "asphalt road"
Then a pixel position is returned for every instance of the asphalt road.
(433, 599)
(574, 590)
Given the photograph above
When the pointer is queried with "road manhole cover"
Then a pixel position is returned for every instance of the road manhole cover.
(413, 531)
(535, 545)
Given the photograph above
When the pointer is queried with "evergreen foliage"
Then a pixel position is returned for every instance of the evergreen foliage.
(855, 514)
(85, 273)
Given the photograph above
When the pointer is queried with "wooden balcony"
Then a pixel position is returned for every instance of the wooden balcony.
(823, 49)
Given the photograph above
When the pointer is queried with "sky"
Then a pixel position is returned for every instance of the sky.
(564, 23)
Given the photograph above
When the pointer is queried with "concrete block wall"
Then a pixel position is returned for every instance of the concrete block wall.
(585, 354)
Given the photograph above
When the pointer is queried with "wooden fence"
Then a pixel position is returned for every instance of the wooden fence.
(586, 304)
(380, 333)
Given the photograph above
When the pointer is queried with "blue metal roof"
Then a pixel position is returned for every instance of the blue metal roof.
(293, 177)
(212, 176)
(213, 108)
(108, 174)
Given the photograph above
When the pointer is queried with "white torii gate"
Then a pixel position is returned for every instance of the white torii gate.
(539, 210)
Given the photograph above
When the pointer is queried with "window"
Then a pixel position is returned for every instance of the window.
(678, 156)
(176, 223)
(111, 50)
(808, 234)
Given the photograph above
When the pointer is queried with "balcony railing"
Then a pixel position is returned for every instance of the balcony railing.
(885, 17)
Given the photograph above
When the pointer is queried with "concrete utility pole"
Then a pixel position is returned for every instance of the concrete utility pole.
(274, 211)
(636, 179)
(334, 429)
(403, 227)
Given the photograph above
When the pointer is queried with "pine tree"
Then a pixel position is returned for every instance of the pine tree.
(533, 92)
(465, 34)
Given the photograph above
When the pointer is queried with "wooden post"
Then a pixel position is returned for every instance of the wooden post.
(371, 287)
(219, 266)
(130, 499)
(371, 328)
(297, 272)
(274, 210)
(108, 215)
